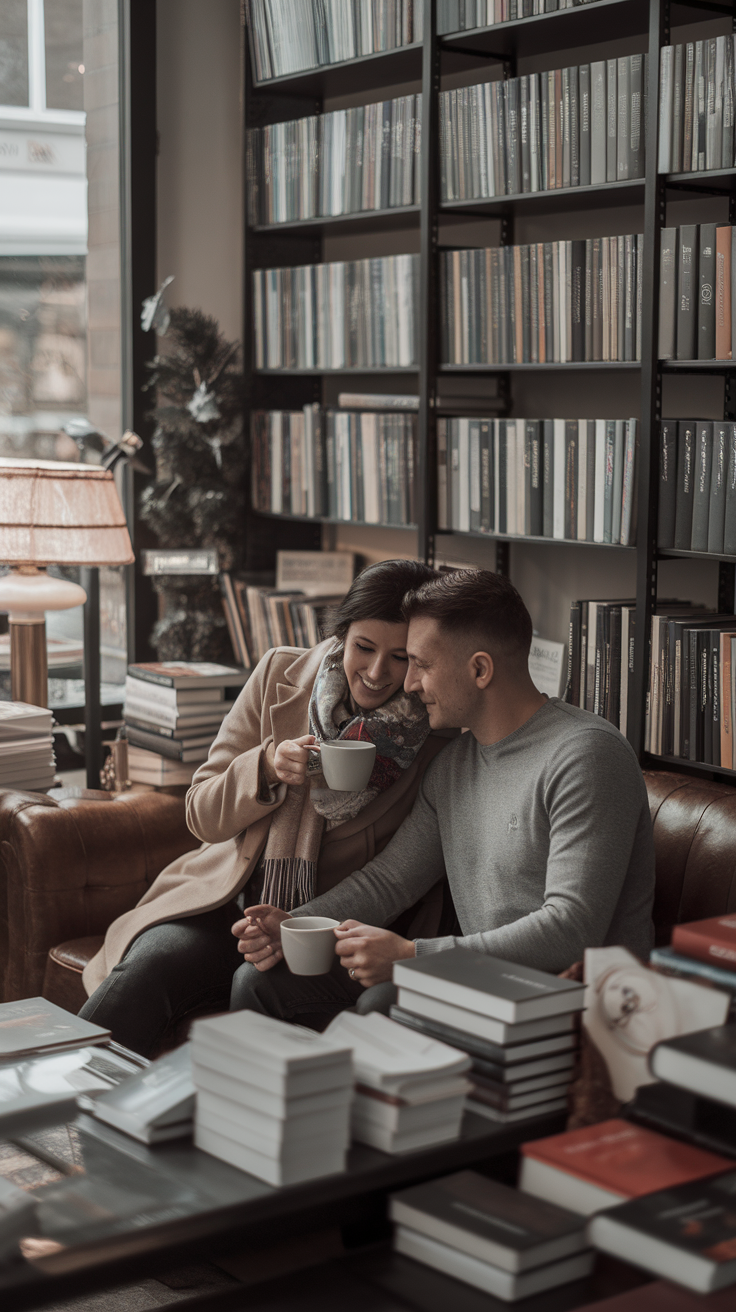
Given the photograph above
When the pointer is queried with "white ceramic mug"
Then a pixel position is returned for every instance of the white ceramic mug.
(347, 765)
(308, 944)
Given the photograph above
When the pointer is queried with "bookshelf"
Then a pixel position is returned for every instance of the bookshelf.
(566, 37)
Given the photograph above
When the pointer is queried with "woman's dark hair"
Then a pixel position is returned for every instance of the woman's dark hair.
(378, 594)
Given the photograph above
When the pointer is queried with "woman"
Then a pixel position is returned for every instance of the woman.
(271, 831)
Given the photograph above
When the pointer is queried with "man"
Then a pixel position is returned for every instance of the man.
(538, 814)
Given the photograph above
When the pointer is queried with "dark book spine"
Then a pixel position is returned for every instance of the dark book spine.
(511, 89)
(502, 515)
(694, 739)
(597, 299)
(636, 120)
(685, 484)
(686, 292)
(611, 119)
(667, 483)
(331, 464)
(574, 91)
(571, 478)
(729, 528)
(486, 475)
(706, 292)
(608, 480)
(701, 489)
(667, 294)
(572, 685)
(714, 690)
(717, 507)
(526, 321)
(536, 493)
(577, 284)
(548, 438)
(703, 730)
(613, 690)
(526, 160)
(584, 99)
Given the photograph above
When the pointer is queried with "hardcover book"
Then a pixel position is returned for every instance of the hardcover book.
(491, 1279)
(490, 1221)
(704, 1063)
(713, 939)
(489, 986)
(34, 1025)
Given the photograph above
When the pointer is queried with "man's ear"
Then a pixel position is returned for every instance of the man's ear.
(481, 664)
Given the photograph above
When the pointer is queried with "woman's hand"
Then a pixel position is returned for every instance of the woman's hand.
(290, 759)
(260, 935)
(368, 954)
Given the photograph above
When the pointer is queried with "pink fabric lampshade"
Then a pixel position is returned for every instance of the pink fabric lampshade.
(60, 514)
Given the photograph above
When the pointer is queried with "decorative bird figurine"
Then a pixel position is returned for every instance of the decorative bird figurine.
(87, 437)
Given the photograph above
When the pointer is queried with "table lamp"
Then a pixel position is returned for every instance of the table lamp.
(51, 514)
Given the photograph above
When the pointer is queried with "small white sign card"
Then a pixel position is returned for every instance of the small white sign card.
(315, 573)
(547, 662)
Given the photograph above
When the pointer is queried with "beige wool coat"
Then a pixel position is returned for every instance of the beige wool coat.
(225, 811)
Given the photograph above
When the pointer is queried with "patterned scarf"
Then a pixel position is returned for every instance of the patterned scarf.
(398, 728)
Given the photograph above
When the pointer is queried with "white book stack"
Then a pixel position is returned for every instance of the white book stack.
(517, 1024)
(26, 747)
(152, 1105)
(272, 1099)
(410, 1090)
(173, 713)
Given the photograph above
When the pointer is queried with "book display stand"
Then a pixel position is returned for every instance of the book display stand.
(430, 66)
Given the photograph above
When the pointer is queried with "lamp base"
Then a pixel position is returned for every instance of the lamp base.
(29, 675)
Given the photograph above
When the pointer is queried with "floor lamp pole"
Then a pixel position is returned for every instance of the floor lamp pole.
(90, 580)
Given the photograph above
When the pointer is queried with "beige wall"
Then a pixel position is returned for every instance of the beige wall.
(199, 167)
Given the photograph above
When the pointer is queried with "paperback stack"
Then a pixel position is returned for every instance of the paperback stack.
(703, 951)
(409, 1092)
(491, 1236)
(517, 1025)
(173, 712)
(26, 747)
(154, 1104)
(272, 1099)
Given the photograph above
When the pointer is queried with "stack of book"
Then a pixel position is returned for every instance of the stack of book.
(354, 314)
(602, 1165)
(173, 712)
(26, 747)
(703, 951)
(152, 1105)
(696, 293)
(692, 687)
(697, 486)
(569, 479)
(339, 464)
(517, 1024)
(272, 1099)
(569, 127)
(463, 15)
(554, 301)
(601, 658)
(697, 91)
(326, 32)
(409, 1092)
(490, 1236)
(346, 162)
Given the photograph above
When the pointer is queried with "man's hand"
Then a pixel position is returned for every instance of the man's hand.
(369, 953)
(260, 935)
(287, 763)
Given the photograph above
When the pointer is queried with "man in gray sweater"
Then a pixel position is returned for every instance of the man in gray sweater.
(538, 814)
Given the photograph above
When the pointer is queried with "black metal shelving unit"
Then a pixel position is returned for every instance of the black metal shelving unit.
(424, 64)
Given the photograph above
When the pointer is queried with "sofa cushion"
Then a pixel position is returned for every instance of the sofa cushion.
(62, 981)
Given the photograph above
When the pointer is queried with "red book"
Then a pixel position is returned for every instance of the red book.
(708, 940)
(605, 1164)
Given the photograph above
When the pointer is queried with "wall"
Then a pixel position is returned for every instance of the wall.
(200, 156)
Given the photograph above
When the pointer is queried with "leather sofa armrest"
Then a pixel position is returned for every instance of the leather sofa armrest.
(68, 868)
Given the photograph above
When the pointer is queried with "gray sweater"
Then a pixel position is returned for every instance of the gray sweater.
(545, 837)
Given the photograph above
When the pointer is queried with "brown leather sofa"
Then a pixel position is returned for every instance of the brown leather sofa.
(70, 865)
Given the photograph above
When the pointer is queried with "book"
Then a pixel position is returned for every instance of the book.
(491, 987)
(686, 292)
(327, 34)
(34, 1025)
(601, 1165)
(18, 720)
(702, 484)
(387, 1058)
(667, 293)
(672, 962)
(187, 674)
(704, 1063)
(492, 1280)
(497, 1053)
(154, 1105)
(687, 1232)
(174, 749)
(157, 769)
(315, 573)
(489, 1221)
(706, 292)
(685, 487)
(713, 939)
(667, 483)
(186, 700)
(143, 714)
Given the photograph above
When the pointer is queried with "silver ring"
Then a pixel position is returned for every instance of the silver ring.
(351, 973)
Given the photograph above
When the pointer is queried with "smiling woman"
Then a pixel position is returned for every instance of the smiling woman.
(274, 834)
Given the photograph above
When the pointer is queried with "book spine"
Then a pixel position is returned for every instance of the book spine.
(717, 504)
(686, 292)
(701, 490)
(666, 91)
(678, 100)
(585, 124)
(706, 296)
(598, 137)
(667, 483)
(723, 292)
(729, 529)
(623, 129)
(667, 294)
(636, 117)
(548, 474)
(611, 119)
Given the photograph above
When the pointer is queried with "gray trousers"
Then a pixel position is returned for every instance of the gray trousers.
(193, 965)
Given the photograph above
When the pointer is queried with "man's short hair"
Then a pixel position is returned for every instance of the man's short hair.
(475, 602)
